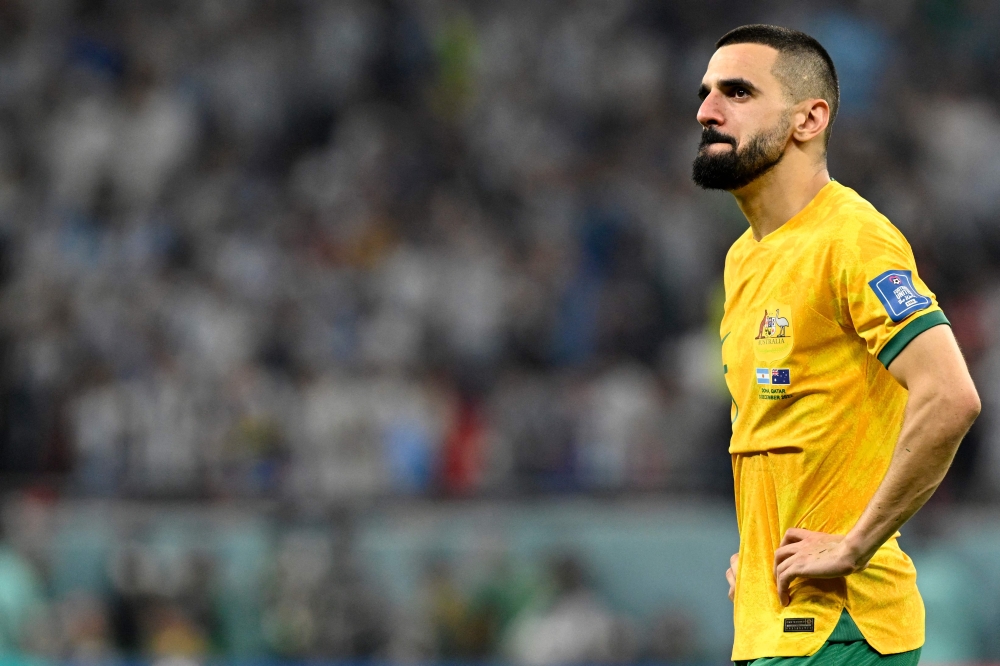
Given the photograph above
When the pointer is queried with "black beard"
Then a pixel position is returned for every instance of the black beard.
(736, 168)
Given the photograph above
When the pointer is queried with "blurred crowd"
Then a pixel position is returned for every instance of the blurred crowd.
(334, 250)
(324, 251)
(328, 251)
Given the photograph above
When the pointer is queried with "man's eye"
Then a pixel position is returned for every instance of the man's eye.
(741, 92)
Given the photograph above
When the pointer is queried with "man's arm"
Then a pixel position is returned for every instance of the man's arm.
(941, 406)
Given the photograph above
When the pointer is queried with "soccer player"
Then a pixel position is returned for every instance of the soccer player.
(849, 393)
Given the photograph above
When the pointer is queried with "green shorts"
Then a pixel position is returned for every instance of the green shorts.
(845, 647)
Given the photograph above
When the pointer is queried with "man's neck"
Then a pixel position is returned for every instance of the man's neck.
(780, 194)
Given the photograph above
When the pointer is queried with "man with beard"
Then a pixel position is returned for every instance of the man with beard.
(850, 395)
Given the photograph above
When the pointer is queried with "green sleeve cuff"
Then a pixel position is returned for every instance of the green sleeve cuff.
(910, 331)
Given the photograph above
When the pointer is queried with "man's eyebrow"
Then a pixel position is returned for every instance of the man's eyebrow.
(737, 83)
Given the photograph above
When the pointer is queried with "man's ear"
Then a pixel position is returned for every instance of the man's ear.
(811, 119)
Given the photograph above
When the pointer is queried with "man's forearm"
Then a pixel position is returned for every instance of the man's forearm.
(941, 405)
(933, 426)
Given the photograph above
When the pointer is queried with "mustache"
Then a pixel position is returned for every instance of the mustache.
(710, 135)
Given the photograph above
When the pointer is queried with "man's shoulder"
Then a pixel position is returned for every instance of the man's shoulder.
(852, 222)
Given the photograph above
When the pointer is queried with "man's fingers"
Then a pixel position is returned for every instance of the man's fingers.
(734, 566)
(785, 576)
(785, 552)
(794, 534)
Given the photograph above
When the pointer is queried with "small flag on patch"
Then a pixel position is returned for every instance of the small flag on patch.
(780, 376)
(764, 376)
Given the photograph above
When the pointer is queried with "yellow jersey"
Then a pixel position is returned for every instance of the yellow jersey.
(815, 313)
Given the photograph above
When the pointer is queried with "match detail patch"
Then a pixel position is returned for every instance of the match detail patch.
(898, 295)
(800, 625)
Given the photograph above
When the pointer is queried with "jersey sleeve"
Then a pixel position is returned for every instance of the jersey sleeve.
(888, 304)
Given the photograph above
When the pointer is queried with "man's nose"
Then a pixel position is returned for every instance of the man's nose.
(710, 111)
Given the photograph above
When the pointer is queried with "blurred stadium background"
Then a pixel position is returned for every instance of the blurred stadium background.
(388, 330)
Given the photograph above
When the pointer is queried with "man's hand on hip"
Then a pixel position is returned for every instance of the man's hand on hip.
(808, 554)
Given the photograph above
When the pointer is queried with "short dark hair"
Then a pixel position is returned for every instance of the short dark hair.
(804, 68)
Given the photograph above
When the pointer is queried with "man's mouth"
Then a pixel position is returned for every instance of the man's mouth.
(706, 146)
(712, 136)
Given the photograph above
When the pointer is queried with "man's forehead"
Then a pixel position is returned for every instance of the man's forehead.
(753, 62)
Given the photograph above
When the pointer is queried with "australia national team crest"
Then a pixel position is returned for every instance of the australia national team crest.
(773, 340)
(898, 295)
